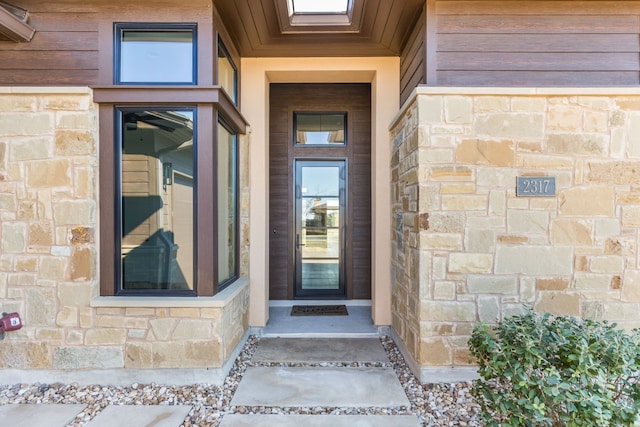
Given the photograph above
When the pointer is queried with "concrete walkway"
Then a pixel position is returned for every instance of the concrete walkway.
(342, 375)
(289, 382)
(60, 415)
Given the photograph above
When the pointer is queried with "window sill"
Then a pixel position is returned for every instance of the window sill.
(220, 300)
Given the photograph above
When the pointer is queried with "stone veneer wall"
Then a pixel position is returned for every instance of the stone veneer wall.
(466, 249)
(49, 253)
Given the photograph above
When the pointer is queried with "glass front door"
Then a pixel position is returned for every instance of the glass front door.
(320, 215)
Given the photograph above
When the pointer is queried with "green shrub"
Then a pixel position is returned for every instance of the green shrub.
(546, 370)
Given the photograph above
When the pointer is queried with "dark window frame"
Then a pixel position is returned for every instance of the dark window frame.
(120, 27)
(236, 176)
(212, 105)
(319, 113)
(222, 48)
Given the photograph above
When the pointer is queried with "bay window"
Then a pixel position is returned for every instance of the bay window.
(169, 214)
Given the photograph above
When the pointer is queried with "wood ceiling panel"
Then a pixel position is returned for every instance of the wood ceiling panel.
(259, 19)
(382, 9)
(254, 27)
(391, 28)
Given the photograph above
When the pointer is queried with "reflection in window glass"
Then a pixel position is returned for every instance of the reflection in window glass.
(321, 181)
(227, 73)
(320, 128)
(156, 55)
(157, 184)
(227, 205)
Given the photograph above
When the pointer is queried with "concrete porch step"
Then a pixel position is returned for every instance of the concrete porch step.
(319, 350)
(357, 324)
(320, 386)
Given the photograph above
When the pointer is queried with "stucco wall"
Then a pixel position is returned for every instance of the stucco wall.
(466, 248)
(49, 253)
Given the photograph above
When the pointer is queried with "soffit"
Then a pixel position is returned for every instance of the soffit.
(380, 29)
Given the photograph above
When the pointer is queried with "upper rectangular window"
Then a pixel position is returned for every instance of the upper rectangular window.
(155, 53)
(320, 128)
(227, 72)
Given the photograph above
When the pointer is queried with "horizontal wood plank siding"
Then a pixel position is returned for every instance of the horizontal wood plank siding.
(540, 43)
(64, 23)
(64, 50)
(58, 41)
(542, 61)
(537, 43)
(541, 78)
(540, 24)
(413, 60)
(73, 38)
(538, 7)
(49, 60)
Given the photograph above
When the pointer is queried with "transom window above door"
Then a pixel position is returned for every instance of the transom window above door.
(320, 128)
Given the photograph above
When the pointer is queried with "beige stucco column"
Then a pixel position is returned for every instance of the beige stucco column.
(383, 74)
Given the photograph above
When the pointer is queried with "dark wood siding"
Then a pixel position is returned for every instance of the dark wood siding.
(413, 61)
(64, 49)
(537, 43)
(285, 99)
(73, 43)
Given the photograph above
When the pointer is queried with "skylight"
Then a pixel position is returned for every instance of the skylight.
(320, 6)
(319, 16)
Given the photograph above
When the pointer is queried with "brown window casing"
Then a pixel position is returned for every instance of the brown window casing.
(210, 103)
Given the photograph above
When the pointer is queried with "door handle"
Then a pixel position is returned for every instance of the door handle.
(298, 244)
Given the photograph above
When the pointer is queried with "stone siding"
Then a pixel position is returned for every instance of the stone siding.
(467, 249)
(49, 254)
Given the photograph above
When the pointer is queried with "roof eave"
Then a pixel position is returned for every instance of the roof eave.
(13, 28)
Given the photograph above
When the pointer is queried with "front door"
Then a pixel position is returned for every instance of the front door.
(320, 191)
(320, 216)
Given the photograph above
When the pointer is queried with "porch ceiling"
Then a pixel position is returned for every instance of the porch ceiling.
(380, 29)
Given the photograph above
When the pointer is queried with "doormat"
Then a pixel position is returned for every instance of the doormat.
(319, 310)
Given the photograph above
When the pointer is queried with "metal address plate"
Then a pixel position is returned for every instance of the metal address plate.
(536, 186)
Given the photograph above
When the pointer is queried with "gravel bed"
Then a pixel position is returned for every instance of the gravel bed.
(435, 404)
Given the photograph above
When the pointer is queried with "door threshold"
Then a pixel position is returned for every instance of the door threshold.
(265, 333)
(347, 302)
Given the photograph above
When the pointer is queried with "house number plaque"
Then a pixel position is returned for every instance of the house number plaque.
(536, 186)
